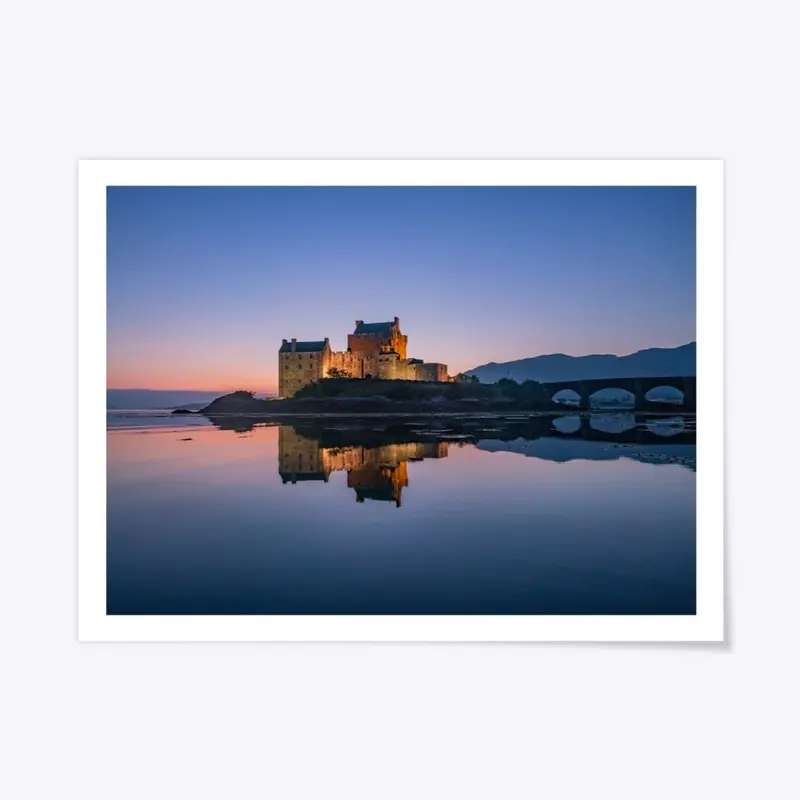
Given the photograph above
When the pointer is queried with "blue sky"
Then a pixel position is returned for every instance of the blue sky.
(204, 282)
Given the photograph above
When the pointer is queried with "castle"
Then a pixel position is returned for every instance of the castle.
(374, 350)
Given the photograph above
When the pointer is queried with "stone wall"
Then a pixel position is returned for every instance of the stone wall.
(390, 367)
(296, 369)
(351, 363)
(430, 372)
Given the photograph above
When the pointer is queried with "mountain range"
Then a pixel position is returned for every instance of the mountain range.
(652, 363)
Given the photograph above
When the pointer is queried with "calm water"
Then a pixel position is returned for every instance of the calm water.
(546, 516)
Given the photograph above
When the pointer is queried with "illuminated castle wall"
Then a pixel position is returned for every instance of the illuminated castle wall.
(374, 350)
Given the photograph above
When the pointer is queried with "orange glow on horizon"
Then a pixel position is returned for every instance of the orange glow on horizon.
(161, 378)
(206, 380)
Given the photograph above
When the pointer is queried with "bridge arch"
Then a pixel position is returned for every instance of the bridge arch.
(665, 394)
(566, 397)
(612, 397)
(638, 387)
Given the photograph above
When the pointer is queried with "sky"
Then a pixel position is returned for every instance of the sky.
(204, 282)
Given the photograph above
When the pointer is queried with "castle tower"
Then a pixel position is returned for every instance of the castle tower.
(371, 338)
(300, 364)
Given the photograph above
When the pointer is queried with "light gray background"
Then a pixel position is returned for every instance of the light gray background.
(411, 79)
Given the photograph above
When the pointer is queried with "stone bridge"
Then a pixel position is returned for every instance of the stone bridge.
(638, 387)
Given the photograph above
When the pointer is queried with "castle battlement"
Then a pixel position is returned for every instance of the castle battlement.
(374, 350)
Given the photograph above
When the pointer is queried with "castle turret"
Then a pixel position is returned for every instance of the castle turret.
(372, 338)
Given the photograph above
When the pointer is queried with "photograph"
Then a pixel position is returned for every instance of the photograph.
(376, 401)
(395, 369)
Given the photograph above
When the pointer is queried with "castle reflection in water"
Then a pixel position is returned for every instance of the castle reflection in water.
(374, 472)
(376, 458)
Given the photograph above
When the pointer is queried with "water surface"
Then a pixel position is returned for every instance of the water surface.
(563, 515)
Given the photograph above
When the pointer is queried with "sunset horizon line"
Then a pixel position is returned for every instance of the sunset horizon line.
(271, 390)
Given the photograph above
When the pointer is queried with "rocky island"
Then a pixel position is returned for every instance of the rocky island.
(349, 395)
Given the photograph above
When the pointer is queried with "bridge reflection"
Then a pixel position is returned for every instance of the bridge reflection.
(624, 428)
(376, 458)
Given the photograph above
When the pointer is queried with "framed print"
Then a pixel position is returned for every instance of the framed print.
(400, 400)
